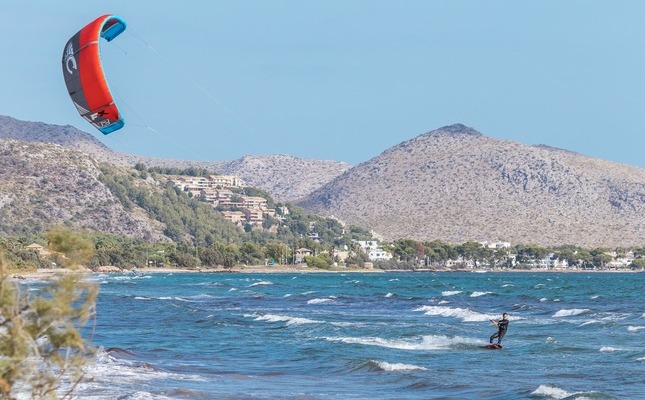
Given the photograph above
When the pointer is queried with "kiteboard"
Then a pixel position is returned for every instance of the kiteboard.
(493, 346)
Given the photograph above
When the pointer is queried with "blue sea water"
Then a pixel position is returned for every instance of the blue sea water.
(368, 336)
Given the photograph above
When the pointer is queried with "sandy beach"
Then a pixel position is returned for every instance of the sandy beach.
(45, 273)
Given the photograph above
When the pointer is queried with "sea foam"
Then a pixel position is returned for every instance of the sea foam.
(478, 294)
(262, 283)
(551, 391)
(398, 367)
(464, 314)
(431, 342)
(571, 312)
(319, 301)
(284, 318)
(609, 349)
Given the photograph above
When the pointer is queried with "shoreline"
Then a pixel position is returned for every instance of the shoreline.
(53, 273)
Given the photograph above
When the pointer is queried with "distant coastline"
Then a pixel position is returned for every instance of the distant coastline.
(45, 274)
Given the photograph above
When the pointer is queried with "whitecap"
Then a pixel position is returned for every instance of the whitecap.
(609, 349)
(232, 289)
(635, 328)
(319, 301)
(398, 367)
(508, 285)
(262, 283)
(551, 391)
(464, 314)
(106, 372)
(478, 294)
(142, 298)
(571, 312)
(389, 295)
(202, 296)
(285, 318)
(450, 292)
(424, 343)
(543, 299)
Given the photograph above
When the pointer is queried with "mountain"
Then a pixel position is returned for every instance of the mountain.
(457, 185)
(284, 177)
(44, 184)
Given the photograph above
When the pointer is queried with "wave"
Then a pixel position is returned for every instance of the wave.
(464, 314)
(396, 367)
(450, 292)
(571, 312)
(609, 349)
(291, 321)
(431, 342)
(553, 392)
(478, 294)
(117, 371)
(320, 301)
(284, 318)
(176, 298)
(635, 328)
(389, 294)
(262, 283)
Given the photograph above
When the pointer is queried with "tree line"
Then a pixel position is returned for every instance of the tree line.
(412, 254)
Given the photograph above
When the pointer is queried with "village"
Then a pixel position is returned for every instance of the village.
(250, 212)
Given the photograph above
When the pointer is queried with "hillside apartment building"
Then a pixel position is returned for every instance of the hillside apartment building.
(216, 190)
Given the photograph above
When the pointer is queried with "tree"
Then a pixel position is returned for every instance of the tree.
(40, 340)
(638, 263)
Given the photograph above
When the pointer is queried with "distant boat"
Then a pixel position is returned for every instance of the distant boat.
(480, 271)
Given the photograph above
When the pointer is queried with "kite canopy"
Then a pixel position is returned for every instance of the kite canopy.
(84, 75)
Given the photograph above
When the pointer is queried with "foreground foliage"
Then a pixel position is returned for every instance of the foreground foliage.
(42, 352)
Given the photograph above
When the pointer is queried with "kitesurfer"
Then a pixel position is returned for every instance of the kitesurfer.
(502, 324)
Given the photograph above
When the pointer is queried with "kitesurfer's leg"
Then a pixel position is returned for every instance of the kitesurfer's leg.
(500, 335)
(493, 336)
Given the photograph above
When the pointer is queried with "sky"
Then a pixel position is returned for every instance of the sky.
(340, 80)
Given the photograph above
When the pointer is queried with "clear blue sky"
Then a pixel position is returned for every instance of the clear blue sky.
(340, 79)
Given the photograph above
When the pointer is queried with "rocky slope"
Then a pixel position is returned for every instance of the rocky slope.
(284, 177)
(456, 184)
(42, 185)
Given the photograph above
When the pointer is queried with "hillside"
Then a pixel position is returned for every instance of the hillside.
(284, 177)
(45, 184)
(456, 184)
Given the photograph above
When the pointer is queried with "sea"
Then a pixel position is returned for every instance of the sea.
(398, 335)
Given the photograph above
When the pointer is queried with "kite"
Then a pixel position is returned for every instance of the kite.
(84, 75)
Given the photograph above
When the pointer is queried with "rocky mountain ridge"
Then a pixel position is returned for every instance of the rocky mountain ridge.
(453, 184)
(456, 184)
(284, 177)
(43, 184)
